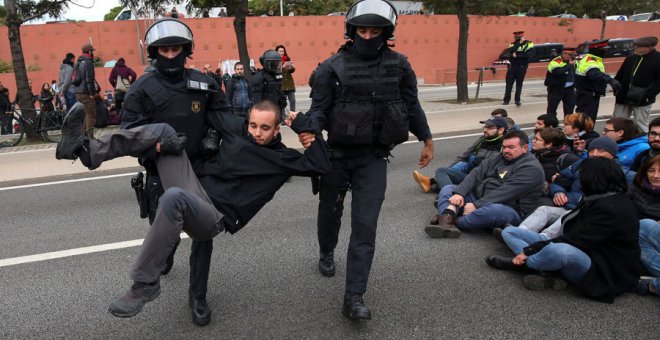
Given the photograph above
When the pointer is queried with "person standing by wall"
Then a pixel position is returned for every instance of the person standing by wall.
(66, 73)
(520, 50)
(85, 87)
(639, 76)
(288, 85)
(121, 78)
(238, 91)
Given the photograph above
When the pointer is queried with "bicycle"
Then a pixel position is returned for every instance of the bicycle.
(48, 125)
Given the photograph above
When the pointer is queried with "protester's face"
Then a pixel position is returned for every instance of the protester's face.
(46, 86)
(654, 138)
(539, 124)
(538, 143)
(490, 131)
(240, 70)
(611, 133)
(170, 52)
(653, 174)
(569, 130)
(642, 50)
(263, 126)
(280, 51)
(511, 148)
(367, 33)
(600, 153)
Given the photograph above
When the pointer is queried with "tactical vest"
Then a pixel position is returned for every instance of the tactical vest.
(552, 80)
(182, 107)
(582, 82)
(368, 110)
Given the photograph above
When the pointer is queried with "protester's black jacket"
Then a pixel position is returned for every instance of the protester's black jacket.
(607, 230)
(647, 75)
(245, 176)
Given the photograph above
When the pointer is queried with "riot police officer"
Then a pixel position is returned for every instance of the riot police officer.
(560, 80)
(267, 83)
(520, 50)
(365, 96)
(184, 99)
(591, 80)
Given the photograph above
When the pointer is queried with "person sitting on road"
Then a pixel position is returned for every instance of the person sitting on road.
(512, 126)
(499, 191)
(249, 168)
(487, 146)
(631, 140)
(566, 193)
(645, 196)
(542, 121)
(654, 145)
(598, 251)
(549, 147)
(579, 130)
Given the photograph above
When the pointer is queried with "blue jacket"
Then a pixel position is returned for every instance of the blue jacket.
(568, 182)
(629, 149)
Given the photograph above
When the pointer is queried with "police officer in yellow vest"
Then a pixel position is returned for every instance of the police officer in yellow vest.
(591, 80)
(520, 50)
(560, 80)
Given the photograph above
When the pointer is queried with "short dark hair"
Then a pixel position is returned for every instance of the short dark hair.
(599, 175)
(499, 112)
(655, 122)
(237, 64)
(553, 136)
(548, 120)
(524, 140)
(628, 126)
(267, 105)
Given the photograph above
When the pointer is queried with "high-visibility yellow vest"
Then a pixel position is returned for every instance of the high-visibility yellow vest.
(588, 62)
(524, 47)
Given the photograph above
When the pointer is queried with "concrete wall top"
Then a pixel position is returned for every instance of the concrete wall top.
(429, 41)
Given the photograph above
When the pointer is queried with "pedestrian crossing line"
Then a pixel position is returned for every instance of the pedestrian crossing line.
(73, 252)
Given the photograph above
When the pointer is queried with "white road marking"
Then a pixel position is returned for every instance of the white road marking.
(72, 252)
(64, 182)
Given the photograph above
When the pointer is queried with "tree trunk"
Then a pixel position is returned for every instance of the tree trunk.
(461, 67)
(603, 16)
(20, 72)
(241, 39)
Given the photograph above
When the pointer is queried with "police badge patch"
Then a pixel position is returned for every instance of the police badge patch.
(196, 106)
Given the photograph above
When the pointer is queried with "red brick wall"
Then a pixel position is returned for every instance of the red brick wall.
(430, 42)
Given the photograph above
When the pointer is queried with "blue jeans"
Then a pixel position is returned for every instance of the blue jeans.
(453, 174)
(649, 242)
(571, 261)
(69, 100)
(488, 216)
(518, 238)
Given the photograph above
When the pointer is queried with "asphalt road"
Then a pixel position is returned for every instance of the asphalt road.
(264, 281)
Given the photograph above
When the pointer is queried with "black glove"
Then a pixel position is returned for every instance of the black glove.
(211, 143)
(173, 145)
(616, 86)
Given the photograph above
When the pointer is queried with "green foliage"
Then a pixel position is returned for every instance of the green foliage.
(543, 8)
(34, 67)
(6, 67)
(300, 7)
(113, 13)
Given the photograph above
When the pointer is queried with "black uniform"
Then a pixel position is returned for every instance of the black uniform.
(186, 105)
(351, 99)
(561, 86)
(265, 85)
(517, 68)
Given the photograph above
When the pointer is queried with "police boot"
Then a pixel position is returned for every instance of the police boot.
(72, 136)
(201, 313)
(327, 264)
(354, 307)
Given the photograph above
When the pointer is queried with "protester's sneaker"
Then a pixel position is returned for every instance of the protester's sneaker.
(642, 286)
(131, 303)
(72, 136)
(423, 181)
(541, 282)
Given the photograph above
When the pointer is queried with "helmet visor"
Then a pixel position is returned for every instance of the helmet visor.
(274, 66)
(371, 13)
(175, 31)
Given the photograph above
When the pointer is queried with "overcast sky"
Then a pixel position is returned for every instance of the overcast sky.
(93, 10)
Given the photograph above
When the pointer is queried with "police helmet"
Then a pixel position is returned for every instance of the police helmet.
(271, 61)
(371, 13)
(168, 32)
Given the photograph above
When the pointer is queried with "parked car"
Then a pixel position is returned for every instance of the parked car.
(619, 47)
(646, 17)
(542, 53)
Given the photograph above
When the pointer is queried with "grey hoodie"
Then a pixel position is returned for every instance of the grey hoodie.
(66, 72)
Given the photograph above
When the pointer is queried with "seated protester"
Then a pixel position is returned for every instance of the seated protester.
(250, 165)
(500, 191)
(645, 195)
(654, 145)
(543, 121)
(487, 146)
(579, 130)
(598, 251)
(549, 147)
(631, 140)
(566, 193)
(510, 122)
